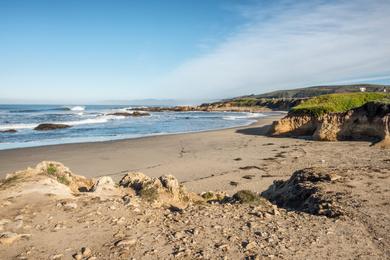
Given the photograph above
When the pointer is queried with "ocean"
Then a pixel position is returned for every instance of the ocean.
(92, 123)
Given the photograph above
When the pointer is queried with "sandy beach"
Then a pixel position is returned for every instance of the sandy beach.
(203, 161)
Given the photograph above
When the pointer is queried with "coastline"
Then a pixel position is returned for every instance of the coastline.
(207, 160)
(18, 158)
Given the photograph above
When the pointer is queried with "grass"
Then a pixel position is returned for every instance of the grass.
(339, 102)
(208, 195)
(51, 170)
(63, 180)
(246, 102)
(247, 197)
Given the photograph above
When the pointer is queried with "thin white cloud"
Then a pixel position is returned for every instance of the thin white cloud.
(291, 45)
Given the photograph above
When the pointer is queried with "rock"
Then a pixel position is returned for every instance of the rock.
(7, 238)
(126, 114)
(305, 191)
(46, 127)
(249, 245)
(86, 251)
(9, 131)
(78, 256)
(103, 185)
(69, 205)
(126, 242)
(165, 189)
(58, 256)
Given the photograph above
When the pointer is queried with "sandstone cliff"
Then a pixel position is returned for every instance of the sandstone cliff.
(368, 122)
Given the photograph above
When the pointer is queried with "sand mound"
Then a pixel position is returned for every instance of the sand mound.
(306, 191)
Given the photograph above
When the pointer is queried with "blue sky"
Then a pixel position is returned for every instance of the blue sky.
(65, 51)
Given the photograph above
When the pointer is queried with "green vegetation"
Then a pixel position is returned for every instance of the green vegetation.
(246, 102)
(340, 102)
(63, 180)
(247, 196)
(208, 195)
(51, 170)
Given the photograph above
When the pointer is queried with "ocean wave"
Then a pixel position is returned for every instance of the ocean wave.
(96, 120)
(76, 108)
(40, 110)
(246, 116)
(17, 126)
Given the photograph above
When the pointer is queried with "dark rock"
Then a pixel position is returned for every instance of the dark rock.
(8, 131)
(135, 113)
(46, 127)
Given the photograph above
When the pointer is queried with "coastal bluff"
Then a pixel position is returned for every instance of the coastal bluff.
(368, 122)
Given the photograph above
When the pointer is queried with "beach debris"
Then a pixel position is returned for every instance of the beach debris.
(248, 177)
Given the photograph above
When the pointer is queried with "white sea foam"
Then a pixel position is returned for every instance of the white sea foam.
(77, 108)
(17, 126)
(246, 116)
(96, 120)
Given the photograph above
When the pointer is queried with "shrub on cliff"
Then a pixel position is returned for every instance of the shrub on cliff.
(340, 102)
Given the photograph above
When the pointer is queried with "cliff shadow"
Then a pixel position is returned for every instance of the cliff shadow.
(266, 129)
(261, 130)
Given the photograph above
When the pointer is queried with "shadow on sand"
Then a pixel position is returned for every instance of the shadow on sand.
(262, 130)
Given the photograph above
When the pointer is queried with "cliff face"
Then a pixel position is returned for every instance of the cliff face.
(371, 121)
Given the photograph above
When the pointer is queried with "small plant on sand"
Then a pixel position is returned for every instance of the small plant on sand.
(246, 196)
(63, 180)
(51, 169)
(208, 195)
(149, 194)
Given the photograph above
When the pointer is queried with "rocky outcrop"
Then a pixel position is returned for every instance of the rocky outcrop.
(306, 191)
(163, 190)
(371, 121)
(47, 127)
(127, 114)
(8, 131)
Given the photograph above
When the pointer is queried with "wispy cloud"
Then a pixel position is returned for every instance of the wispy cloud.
(291, 45)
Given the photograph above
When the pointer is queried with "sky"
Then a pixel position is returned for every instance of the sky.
(95, 51)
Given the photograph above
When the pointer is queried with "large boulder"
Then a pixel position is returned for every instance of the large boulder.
(47, 127)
